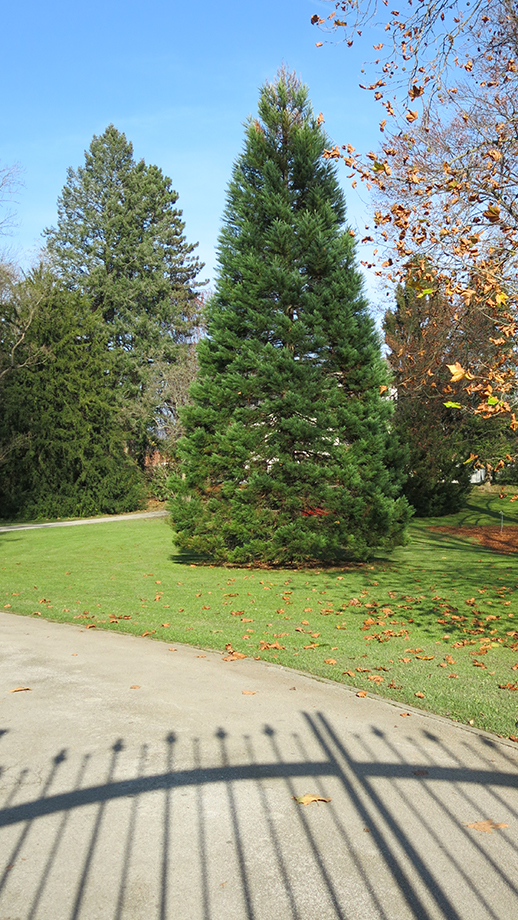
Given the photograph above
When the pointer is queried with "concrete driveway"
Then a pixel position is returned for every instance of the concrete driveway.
(141, 782)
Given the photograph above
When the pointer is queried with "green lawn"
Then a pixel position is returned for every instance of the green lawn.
(438, 617)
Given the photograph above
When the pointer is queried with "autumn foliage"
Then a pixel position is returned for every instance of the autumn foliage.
(445, 179)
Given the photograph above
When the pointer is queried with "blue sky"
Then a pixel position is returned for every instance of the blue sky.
(179, 80)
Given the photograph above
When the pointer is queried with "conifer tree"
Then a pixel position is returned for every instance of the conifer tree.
(287, 455)
(120, 241)
(60, 417)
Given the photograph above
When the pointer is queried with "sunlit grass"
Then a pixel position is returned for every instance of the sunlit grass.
(438, 617)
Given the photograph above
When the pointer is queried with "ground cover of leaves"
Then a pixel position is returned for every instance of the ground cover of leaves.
(435, 625)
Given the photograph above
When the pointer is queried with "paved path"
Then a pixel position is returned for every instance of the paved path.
(96, 520)
(139, 782)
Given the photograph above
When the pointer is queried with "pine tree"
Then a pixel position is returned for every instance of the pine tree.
(60, 417)
(287, 456)
(120, 241)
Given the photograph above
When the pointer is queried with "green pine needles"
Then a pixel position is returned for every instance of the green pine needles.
(287, 453)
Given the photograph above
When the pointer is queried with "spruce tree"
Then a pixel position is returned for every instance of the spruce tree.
(120, 241)
(287, 456)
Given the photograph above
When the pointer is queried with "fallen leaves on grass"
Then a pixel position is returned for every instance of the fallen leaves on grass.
(264, 646)
(419, 694)
(232, 655)
(329, 660)
(148, 632)
(508, 686)
(486, 826)
(309, 798)
(349, 673)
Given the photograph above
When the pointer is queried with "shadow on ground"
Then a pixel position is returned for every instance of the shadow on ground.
(189, 828)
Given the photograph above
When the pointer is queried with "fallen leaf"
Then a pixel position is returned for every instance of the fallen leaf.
(172, 649)
(134, 687)
(361, 693)
(90, 626)
(513, 738)
(453, 675)
(232, 654)
(329, 660)
(308, 798)
(420, 695)
(248, 692)
(508, 686)
(405, 660)
(20, 689)
(486, 826)
(403, 714)
(165, 625)
(425, 657)
(148, 632)
(201, 656)
(349, 673)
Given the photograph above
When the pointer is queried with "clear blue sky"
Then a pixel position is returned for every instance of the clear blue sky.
(179, 79)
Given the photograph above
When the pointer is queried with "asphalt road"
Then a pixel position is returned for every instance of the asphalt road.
(138, 781)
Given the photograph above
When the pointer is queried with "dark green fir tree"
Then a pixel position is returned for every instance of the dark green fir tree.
(62, 445)
(287, 454)
(120, 241)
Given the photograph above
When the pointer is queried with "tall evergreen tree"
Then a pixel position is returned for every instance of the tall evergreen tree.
(60, 421)
(287, 456)
(120, 241)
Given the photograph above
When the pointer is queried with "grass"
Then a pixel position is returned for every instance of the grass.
(438, 618)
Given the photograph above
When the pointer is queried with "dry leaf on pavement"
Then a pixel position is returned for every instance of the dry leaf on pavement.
(486, 826)
(308, 798)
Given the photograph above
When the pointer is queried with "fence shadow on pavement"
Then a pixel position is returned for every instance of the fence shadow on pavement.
(208, 828)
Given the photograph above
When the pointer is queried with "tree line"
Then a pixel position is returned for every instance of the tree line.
(299, 441)
(97, 342)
